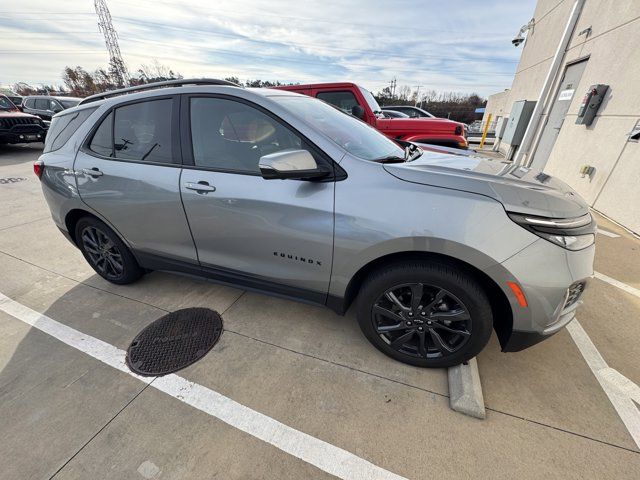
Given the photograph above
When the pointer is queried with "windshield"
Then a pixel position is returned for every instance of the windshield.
(5, 104)
(355, 136)
(371, 101)
(67, 103)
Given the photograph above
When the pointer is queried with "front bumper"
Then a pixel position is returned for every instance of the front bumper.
(548, 275)
(25, 133)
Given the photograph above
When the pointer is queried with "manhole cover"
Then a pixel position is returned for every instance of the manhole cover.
(174, 341)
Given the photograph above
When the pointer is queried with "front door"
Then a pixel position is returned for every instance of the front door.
(564, 97)
(273, 234)
(129, 174)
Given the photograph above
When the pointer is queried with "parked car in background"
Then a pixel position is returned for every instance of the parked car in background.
(413, 112)
(45, 106)
(359, 102)
(19, 127)
(11, 95)
(16, 99)
(437, 250)
(393, 114)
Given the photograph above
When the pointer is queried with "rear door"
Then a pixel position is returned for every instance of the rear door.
(42, 106)
(128, 172)
(267, 234)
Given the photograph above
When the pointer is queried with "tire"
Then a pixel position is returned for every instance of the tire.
(448, 301)
(105, 252)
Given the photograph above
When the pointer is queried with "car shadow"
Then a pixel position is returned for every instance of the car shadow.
(19, 153)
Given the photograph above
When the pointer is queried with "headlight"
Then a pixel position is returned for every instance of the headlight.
(570, 233)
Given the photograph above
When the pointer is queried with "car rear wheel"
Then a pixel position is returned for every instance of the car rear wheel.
(425, 314)
(105, 252)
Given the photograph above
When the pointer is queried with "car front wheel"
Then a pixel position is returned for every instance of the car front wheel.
(425, 314)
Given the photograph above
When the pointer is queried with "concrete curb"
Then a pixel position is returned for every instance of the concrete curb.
(465, 390)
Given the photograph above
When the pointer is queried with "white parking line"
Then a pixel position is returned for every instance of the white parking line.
(323, 455)
(617, 283)
(619, 397)
(607, 233)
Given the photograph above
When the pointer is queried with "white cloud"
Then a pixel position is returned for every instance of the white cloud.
(438, 45)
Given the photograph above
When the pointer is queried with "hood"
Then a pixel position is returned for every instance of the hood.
(519, 189)
(419, 125)
(15, 114)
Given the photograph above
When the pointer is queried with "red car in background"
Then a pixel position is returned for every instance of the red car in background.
(359, 102)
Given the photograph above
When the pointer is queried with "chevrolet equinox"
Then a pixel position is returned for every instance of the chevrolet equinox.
(279, 192)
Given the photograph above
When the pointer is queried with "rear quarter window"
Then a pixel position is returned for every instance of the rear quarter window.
(63, 127)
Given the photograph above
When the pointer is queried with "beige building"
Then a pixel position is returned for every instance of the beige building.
(603, 48)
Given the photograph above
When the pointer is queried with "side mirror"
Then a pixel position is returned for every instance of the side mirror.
(357, 111)
(56, 109)
(291, 164)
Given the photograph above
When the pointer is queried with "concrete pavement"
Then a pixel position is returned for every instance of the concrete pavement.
(64, 414)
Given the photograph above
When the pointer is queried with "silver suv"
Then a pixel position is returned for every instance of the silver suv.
(282, 193)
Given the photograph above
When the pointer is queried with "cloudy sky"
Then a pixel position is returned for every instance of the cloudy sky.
(460, 46)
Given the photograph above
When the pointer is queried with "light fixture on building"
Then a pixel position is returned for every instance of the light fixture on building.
(519, 38)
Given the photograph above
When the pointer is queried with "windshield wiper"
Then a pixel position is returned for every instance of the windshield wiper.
(391, 159)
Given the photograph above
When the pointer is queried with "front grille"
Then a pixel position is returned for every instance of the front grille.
(10, 122)
(574, 293)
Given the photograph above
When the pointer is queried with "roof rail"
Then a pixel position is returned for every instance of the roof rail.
(151, 86)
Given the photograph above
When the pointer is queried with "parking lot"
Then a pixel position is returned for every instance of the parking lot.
(290, 390)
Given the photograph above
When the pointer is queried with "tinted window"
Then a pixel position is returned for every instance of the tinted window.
(102, 141)
(5, 104)
(42, 104)
(62, 128)
(69, 103)
(343, 100)
(411, 112)
(233, 136)
(142, 131)
(353, 135)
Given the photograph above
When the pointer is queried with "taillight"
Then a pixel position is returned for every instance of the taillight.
(459, 130)
(38, 168)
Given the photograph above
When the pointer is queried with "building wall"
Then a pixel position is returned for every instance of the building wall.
(498, 105)
(613, 59)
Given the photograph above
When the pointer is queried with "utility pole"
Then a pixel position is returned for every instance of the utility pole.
(393, 88)
(111, 40)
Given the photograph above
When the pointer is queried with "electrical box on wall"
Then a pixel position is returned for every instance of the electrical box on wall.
(501, 123)
(518, 122)
(591, 103)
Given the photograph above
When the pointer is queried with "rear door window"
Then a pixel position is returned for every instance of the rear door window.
(42, 104)
(102, 141)
(142, 131)
(345, 101)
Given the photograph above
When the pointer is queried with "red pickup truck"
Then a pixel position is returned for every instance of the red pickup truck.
(360, 102)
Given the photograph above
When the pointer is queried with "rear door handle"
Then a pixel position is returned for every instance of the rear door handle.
(93, 172)
(200, 187)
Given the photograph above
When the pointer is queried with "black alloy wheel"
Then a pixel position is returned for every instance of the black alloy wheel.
(103, 254)
(106, 252)
(425, 313)
(422, 321)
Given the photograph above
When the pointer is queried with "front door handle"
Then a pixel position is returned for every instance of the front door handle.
(200, 187)
(93, 172)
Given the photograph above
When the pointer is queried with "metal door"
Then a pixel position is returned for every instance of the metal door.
(566, 93)
(251, 230)
(138, 193)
